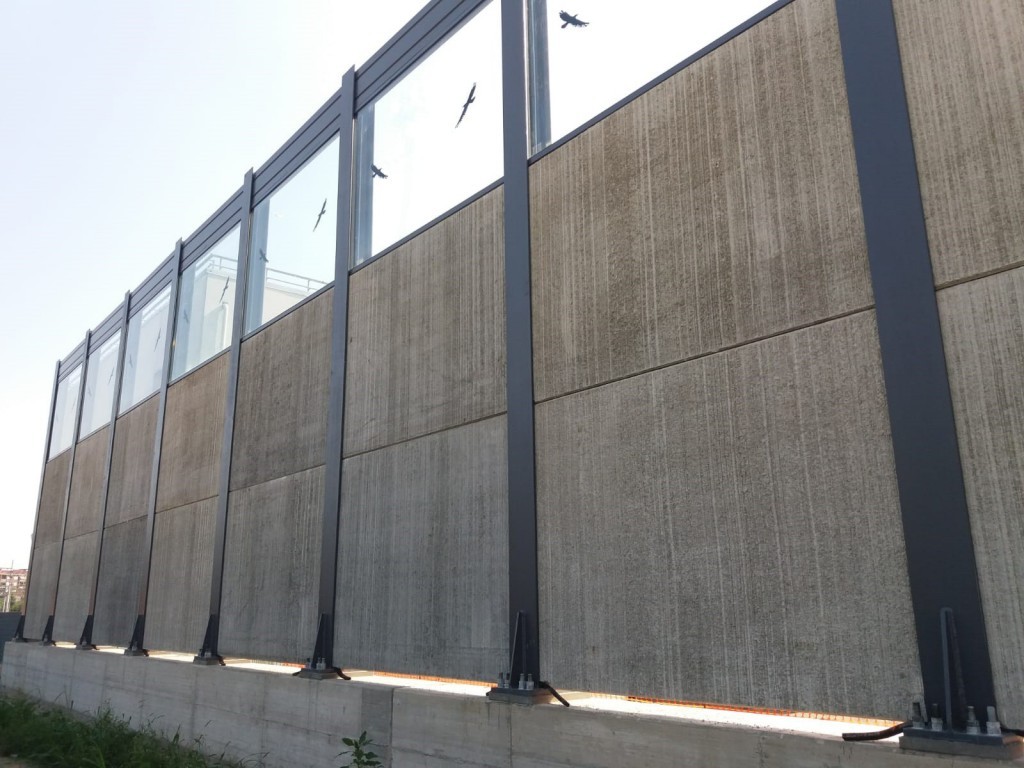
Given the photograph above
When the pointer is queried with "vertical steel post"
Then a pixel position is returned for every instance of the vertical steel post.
(936, 523)
(85, 641)
(19, 632)
(136, 645)
(524, 630)
(47, 638)
(209, 652)
(321, 664)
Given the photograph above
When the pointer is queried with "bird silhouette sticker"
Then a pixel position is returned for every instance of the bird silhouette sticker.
(110, 378)
(377, 172)
(222, 293)
(263, 256)
(323, 210)
(156, 343)
(571, 21)
(465, 106)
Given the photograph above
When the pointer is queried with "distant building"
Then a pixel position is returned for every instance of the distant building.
(12, 587)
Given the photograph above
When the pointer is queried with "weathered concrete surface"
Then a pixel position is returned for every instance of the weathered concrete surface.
(720, 207)
(283, 380)
(284, 720)
(963, 66)
(179, 581)
(122, 568)
(427, 332)
(77, 571)
(300, 723)
(192, 438)
(430, 728)
(272, 568)
(983, 329)
(85, 505)
(131, 467)
(728, 530)
(51, 500)
(423, 553)
(41, 587)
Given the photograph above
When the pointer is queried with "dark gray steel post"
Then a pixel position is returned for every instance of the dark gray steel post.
(19, 633)
(136, 645)
(321, 664)
(47, 638)
(524, 635)
(936, 523)
(209, 653)
(85, 641)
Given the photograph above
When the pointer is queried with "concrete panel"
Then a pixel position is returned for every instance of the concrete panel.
(131, 466)
(122, 568)
(272, 568)
(85, 505)
(281, 413)
(983, 329)
(41, 588)
(728, 530)
(179, 585)
(51, 500)
(450, 729)
(423, 553)
(193, 434)
(720, 207)
(963, 67)
(427, 332)
(77, 571)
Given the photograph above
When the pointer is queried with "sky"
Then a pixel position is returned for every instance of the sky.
(124, 125)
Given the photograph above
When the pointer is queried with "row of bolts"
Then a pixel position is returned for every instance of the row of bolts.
(973, 726)
(525, 681)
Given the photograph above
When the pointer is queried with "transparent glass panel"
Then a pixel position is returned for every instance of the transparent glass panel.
(587, 55)
(433, 139)
(100, 382)
(206, 305)
(144, 350)
(294, 234)
(64, 412)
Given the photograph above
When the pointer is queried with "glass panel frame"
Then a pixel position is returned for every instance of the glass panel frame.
(100, 383)
(294, 239)
(433, 139)
(144, 351)
(65, 412)
(206, 305)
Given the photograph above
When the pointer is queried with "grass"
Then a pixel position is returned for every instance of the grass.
(55, 738)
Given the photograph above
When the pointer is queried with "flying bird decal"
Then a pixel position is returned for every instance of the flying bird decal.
(571, 20)
(156, 343)
(226, 283)
(263, 256)
(374, 170)
(323, 210)
(465, 106)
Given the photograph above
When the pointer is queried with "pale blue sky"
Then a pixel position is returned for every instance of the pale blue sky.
(125, 124)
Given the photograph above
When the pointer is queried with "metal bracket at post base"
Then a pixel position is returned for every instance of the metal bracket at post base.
(321, 665)
(47, 638)
(135, 647)
(85, 641)
(953, 728)
(19, 631)
(208, 656)
(526, 691)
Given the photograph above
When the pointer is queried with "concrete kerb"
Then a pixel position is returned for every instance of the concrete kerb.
(283, 720)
